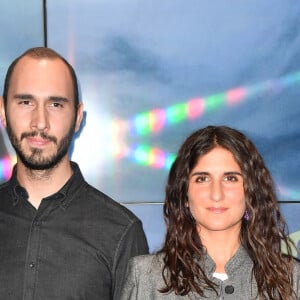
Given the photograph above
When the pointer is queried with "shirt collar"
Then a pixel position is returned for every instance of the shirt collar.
(239, 260)
(65, 195)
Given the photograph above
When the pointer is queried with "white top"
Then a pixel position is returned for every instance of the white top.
(221, 276)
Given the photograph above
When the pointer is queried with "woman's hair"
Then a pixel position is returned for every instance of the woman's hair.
(264, 232)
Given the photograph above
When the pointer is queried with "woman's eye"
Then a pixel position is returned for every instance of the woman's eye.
(202, 179)
(231, 178)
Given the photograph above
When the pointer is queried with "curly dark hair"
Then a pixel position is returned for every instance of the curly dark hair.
(264, 232)
(40, 53)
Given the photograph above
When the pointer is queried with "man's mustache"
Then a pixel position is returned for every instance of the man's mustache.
(43, 135)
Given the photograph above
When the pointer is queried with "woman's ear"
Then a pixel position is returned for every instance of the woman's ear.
(187, 202)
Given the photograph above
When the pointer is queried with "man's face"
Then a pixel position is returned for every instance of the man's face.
(40, 116)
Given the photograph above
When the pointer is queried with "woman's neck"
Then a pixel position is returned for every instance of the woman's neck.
(221, 247)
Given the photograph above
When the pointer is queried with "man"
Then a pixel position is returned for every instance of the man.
(60, 238)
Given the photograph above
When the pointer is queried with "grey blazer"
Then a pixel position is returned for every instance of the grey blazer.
(144, 279)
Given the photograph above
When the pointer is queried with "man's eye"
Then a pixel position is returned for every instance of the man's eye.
(56, 105)
(25, 102)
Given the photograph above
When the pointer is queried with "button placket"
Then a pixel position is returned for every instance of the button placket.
(31, 259)
(229, 289)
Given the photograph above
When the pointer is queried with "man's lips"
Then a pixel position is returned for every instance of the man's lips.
(37, 141)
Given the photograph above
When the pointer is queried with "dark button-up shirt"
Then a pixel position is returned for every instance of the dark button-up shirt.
(76, 245)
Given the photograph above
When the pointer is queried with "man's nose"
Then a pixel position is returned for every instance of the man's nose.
(40, 118)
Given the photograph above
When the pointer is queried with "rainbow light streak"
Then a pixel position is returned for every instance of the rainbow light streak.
(6, 165)
(176, 113)
(195, 108)
(156, 119)
(153, 157)
(235, 96)
(289, 193)
(149, 156)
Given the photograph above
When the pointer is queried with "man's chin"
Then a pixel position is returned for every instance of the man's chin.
(40, 165)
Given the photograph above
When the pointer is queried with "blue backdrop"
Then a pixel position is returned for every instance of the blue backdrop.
(151, 72)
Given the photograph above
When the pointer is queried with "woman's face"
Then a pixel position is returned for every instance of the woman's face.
(216, 195)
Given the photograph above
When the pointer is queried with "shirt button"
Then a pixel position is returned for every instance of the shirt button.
(31, 265)
(229, 289)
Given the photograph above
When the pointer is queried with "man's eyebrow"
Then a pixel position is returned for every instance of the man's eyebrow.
(52, 98)
(23, 96)
(58, 99)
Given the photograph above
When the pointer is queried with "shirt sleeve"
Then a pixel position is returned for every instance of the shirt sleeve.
(133, 243)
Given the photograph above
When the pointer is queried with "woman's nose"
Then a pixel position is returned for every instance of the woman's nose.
(217, 191)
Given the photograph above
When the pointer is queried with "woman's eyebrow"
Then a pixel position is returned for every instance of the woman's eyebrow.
(199, 173)
(233, 173)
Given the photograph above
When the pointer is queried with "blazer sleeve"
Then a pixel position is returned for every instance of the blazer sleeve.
(131, 284)
(296, 278)
(132, 244)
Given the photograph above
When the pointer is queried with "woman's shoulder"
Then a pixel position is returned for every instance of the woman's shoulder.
(148, 261)
(296, 266)
(296, 277)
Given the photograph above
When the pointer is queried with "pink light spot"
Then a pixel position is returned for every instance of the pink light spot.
(235, 95)
(157, 119)
(157, 158)
(195, 108)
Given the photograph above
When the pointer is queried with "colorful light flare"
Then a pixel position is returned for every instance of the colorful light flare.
(197, 107)
(154, 121)
(153, 157)
(6, 165)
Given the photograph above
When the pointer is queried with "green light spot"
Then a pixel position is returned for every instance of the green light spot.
(141, 154)
(214, 101)
(176, 113)
(142, 123)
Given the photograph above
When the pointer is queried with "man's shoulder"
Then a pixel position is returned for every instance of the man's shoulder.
(5, 193)
(107, 205)
(4, 186)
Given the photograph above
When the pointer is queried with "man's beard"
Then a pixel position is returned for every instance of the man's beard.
(35, 160)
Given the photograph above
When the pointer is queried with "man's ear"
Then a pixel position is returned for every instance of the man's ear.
(79, 116)
(2, 112)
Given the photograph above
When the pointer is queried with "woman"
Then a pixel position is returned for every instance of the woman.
(224, 228)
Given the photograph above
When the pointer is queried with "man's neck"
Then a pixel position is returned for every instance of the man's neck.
(42, 183)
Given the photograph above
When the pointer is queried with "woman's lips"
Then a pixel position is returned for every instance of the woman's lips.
(217, 210)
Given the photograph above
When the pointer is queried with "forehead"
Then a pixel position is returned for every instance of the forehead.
(216, 158)
(41, 74)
